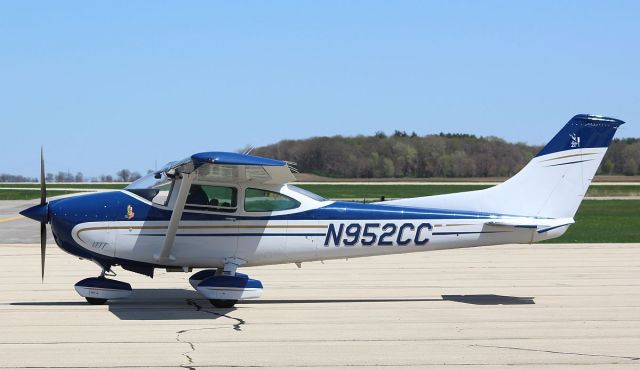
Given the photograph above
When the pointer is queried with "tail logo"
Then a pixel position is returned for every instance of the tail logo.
(575, 140)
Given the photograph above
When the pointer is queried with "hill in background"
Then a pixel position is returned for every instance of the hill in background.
(442, 155)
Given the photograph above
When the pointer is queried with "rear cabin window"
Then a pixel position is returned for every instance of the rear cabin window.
(258, 200)
(212, 198)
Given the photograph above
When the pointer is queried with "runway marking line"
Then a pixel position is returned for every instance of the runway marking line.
(11, 218)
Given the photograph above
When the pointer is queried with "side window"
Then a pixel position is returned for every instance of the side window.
(212, 198)
(258, 200)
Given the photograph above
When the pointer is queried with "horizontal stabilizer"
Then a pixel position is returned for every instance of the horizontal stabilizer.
(541, 225)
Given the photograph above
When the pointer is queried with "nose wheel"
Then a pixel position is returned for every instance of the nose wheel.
(96, 301)
(223, 303)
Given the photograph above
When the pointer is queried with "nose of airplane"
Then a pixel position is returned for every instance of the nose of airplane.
(39, 213)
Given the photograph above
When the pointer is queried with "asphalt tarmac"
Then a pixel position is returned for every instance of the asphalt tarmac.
(541, 306)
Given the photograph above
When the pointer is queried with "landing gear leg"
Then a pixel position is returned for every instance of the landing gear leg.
(230, 267)
(94, 300)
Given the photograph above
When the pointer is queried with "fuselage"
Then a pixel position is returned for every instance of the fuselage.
(123, 228)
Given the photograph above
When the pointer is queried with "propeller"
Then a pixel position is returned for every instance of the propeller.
(40, 213)
(43, 225)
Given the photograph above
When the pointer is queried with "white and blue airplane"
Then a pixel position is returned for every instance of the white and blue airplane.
(221, 211)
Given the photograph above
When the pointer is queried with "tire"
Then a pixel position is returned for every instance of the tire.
(95, 300)
(223, 303)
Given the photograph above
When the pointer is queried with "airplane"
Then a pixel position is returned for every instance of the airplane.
(222, 211)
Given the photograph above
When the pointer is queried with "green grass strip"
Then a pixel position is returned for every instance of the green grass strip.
(6, 194)
(604, 221)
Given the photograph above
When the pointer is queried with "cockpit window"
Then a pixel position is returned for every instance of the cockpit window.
(212, 198)
(153, 187)
(258, 200)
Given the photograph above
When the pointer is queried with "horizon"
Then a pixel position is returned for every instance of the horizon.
(106, 86)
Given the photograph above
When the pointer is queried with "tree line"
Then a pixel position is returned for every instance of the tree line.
(441, 155)
(399, 155)
(124, 175)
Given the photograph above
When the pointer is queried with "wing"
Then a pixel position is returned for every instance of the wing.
(233, 167)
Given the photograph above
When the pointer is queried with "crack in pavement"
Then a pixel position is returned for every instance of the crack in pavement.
(632, 358)
(192, 348)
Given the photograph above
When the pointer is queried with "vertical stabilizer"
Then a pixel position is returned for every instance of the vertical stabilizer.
(552, 185)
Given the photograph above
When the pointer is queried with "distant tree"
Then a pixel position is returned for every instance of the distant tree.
(630, 167)
(380, 135)
(79, 177)
(106, 178)
(49, 177)
(5, 177)
(60, 176)
(134, 176)
(124, 175)
(606, 167)
(398, 133)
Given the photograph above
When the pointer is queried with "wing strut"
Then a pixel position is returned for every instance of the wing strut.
(178, 208)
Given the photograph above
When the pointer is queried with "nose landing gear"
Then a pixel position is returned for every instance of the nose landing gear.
(98, 290)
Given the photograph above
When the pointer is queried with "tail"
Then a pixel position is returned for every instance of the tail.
(552, 185)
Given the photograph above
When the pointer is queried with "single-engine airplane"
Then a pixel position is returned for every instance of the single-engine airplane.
(222, 211)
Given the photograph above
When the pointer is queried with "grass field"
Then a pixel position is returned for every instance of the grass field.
(89, 185)
(356, 191)
(374, 192)
(371, 192)
(29, 194)
(604, 221)
(614, 191)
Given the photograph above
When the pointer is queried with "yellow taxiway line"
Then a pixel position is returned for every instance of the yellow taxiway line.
(11, 218)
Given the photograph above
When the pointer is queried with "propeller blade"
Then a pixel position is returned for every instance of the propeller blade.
(43, 245)
(43, 186)
(43, 201)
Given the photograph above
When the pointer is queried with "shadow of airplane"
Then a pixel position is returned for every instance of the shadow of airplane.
(489, 299)
(183, 304)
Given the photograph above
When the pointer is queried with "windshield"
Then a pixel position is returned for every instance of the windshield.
(150, 182)
(154, 187)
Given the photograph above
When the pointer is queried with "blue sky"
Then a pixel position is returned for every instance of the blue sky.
(113, 84)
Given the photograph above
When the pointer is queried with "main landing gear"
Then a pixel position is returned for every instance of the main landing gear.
(224, 287)
(225, 291)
